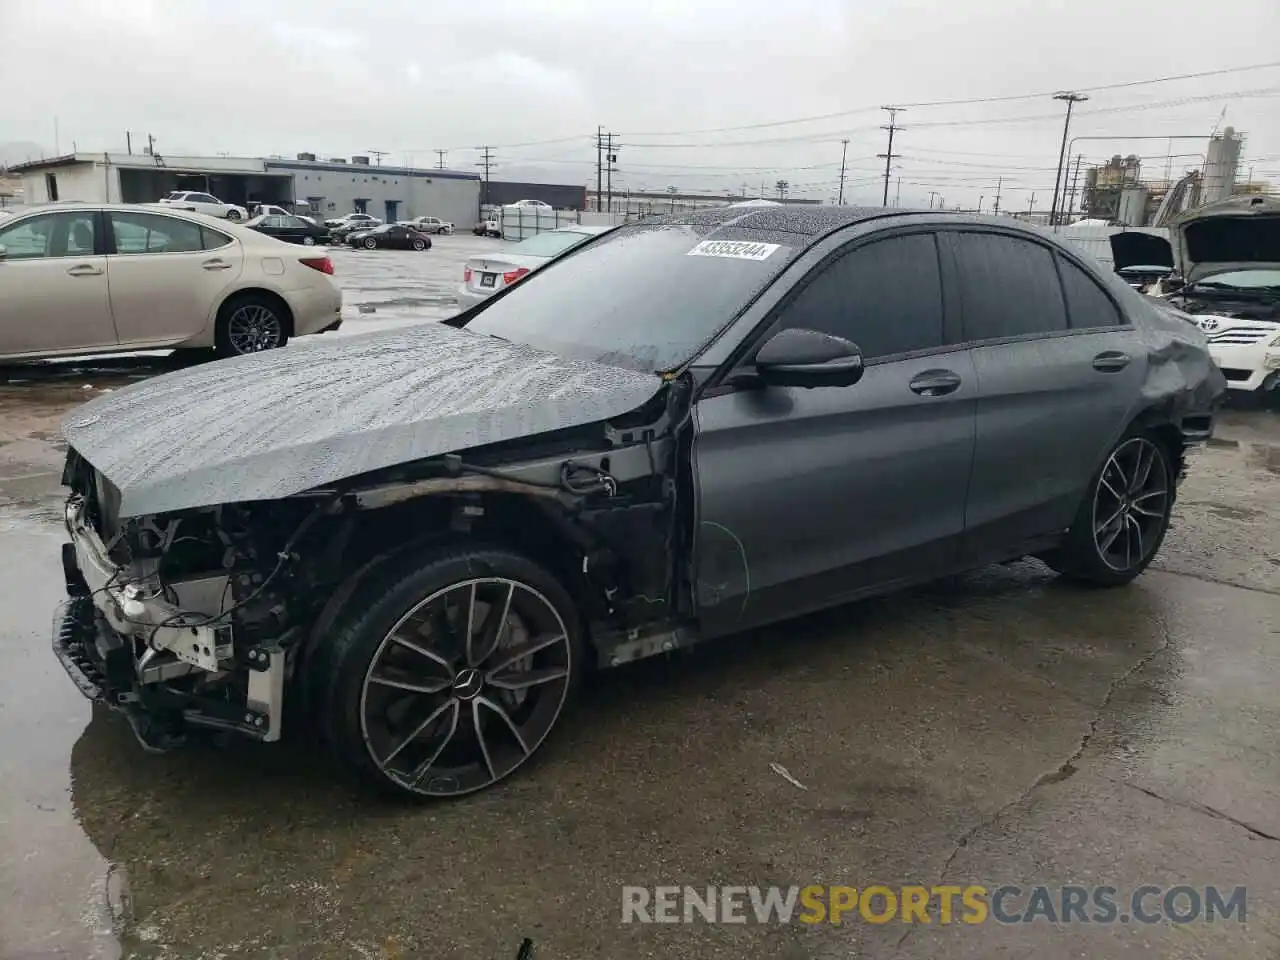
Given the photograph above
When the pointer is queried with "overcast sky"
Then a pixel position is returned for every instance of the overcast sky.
(408, 76)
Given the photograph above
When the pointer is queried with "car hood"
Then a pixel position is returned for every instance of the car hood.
(1239, 233)
(278, 423)
(1132, 248)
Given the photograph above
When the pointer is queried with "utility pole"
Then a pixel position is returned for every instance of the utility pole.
(1071, 98)
(897, 197)
(889, 154)
(844, 151)
(1075, 178)
(1031, 207)
(128, 143)
(440, 155)
(932, 194)
(487, 163)
(610, 159)
(599, 167)
(980, 199)
(378, 155)
(151, 145)
(999, 184)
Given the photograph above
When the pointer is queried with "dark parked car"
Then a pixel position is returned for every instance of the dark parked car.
(290, 229)
(393, 236)
(679, 430)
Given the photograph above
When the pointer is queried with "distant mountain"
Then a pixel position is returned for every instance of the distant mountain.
(20, 151)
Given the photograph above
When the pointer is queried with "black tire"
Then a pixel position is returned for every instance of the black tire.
(1095, 550)
(233, 216)
(267, 326)
(419, 245)
(353, 675)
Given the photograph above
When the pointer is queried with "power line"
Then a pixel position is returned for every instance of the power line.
(959, 102)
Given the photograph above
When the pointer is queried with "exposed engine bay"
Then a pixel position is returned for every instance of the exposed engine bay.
(205, 616)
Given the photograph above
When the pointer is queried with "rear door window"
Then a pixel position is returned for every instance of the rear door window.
(137, 233)
(1009, 286)
(1087, 303)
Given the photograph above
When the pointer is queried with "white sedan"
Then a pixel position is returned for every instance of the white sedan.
(103, 278)
(484, 276)
(429, 225)
(205, 203)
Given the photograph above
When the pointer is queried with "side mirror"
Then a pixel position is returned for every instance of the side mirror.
(807, 358)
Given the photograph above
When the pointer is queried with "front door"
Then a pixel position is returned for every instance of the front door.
(393, 211)
(53, 285)
(807, 497)
(1058, 371)
(167, 275)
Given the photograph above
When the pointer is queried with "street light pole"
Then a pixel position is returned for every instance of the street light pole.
(1071, 99)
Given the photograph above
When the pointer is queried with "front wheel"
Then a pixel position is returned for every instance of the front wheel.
(233, 216)
(444, 674)
(308, 241)
(1124, 516)
(419, 245)
(370, 243)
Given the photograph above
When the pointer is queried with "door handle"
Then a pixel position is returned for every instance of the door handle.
(1110, 361)
(216, 264)
(85, 270)
(935, 383)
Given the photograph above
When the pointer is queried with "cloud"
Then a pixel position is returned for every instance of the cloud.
(341, 77)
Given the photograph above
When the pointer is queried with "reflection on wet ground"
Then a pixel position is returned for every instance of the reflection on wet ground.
(1001, 727)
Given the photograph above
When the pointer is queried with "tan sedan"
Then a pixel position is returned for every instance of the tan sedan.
(99, 278)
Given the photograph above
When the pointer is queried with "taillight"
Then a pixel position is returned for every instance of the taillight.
(323, 264)
(466, 274)
(512, 276)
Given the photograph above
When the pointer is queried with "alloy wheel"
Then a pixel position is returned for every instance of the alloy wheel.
(1131, 504)
(419, 245)
(465, 687)
(370, 243)
(308, 241)
(253, 328)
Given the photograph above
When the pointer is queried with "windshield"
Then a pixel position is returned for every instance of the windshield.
(548, 244)
(642, 297)
(1241, 280)
(385, 228)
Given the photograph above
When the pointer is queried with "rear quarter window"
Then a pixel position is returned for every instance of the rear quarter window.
(1087, 303)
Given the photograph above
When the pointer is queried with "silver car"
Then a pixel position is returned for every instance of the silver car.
(484, 276)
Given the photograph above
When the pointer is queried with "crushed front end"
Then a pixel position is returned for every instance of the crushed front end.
(181, 620)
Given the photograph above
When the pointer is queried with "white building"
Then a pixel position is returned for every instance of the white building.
(330, 188)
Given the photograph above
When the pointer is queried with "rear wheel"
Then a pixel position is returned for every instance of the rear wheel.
(1124, 517)
(308, 241)
(446, 673)
(419, 245)
(250, 324)
(233, 216)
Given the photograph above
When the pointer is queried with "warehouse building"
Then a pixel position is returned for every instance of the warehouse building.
(328, 187)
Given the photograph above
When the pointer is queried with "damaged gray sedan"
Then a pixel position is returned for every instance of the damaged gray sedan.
(421, 542)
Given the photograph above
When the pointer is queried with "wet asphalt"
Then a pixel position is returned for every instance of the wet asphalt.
(999, 728)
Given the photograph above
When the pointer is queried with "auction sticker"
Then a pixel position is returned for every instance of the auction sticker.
(734, 249)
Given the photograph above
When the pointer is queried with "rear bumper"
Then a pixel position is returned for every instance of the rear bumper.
(469, 298)
(316, 309)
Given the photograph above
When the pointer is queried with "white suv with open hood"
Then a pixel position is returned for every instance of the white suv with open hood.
(1228, 279)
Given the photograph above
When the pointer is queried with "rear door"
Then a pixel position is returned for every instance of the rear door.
(166, 275)
(1058, 373)
(811, 496)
